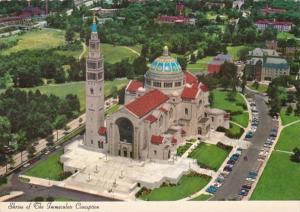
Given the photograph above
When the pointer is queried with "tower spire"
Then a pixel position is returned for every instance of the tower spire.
(94, 25)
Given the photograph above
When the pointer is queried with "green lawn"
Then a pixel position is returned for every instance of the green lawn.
(234, 131)
(38, 39)
(289, 138)
(286, 119)
(209, 155)
(112, 109)
(49, 168)
(62, 199)
(280, 179)
(200, 65)
(186, 186)
(113, 54)
(220, 101)
(233, 51)
(202, 197)
(261, 88)
(78, 88)
(241, 119)
(285, 35)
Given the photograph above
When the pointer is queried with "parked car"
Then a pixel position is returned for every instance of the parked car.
(231, 162)
(246, 186)
(26, 165)
(244, 192)
(227, 168)
(249, 135)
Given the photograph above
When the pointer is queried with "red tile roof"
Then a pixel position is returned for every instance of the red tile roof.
(190, 78)
(151, 118)
(146, 103)
(190, 93)
(274, 22)
(102, 131)
(134, 85)
(157, 139)
(174, 140)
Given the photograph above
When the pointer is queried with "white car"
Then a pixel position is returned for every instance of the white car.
(26, 165)
(250, 179)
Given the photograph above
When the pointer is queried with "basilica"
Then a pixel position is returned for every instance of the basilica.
(170, 106)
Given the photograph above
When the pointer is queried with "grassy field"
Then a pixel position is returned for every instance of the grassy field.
(186, 186)
(38, 39)
(112, 109)
(242, 119)
(286, 119)
(113, 54)
(220, 101)
(261, 88)
(285, 35)
(202, 197)
(47, 169)
(289, 138)
(78, 88)
(234, 51)
(200, 65)
(280, 179)
(208, 155)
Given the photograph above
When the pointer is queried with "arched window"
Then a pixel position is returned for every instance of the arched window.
(125, 130)
(92, 91)
(186, 111)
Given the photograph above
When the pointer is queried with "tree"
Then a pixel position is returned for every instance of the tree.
(296, 156)
(193, 59)
(59, 123)
(20, 138)
(5, 129)
(80, 121)
(50, 140)
(69, 36)
(183, 62)
(289, 110)
(31, 151)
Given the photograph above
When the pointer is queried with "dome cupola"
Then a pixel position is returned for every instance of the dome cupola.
(165, 74)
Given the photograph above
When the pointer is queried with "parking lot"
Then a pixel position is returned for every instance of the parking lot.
(240, 175)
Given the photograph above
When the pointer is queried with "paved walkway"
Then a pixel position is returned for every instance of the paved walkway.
(289, 124)
(132, 50)
(83, 50)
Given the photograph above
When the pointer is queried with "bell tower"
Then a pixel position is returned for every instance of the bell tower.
(94, 87)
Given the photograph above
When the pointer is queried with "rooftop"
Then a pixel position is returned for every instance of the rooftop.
(146, 103)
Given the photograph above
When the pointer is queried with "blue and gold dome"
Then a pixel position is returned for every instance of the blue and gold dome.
(165, 63)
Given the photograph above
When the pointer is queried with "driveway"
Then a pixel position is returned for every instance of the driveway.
(232, 185)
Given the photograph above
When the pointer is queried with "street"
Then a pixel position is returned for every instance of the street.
(232, 185)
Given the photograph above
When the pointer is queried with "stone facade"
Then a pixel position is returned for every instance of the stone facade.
(157, 115)
(94, 92)
(265, 65)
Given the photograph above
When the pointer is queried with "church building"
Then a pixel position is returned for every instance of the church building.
(158, 115)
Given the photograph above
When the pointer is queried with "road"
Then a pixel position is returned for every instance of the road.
(32, 191)
(42, 143)
(232, 185)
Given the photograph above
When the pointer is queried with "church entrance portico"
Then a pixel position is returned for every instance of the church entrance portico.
(126, 137)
